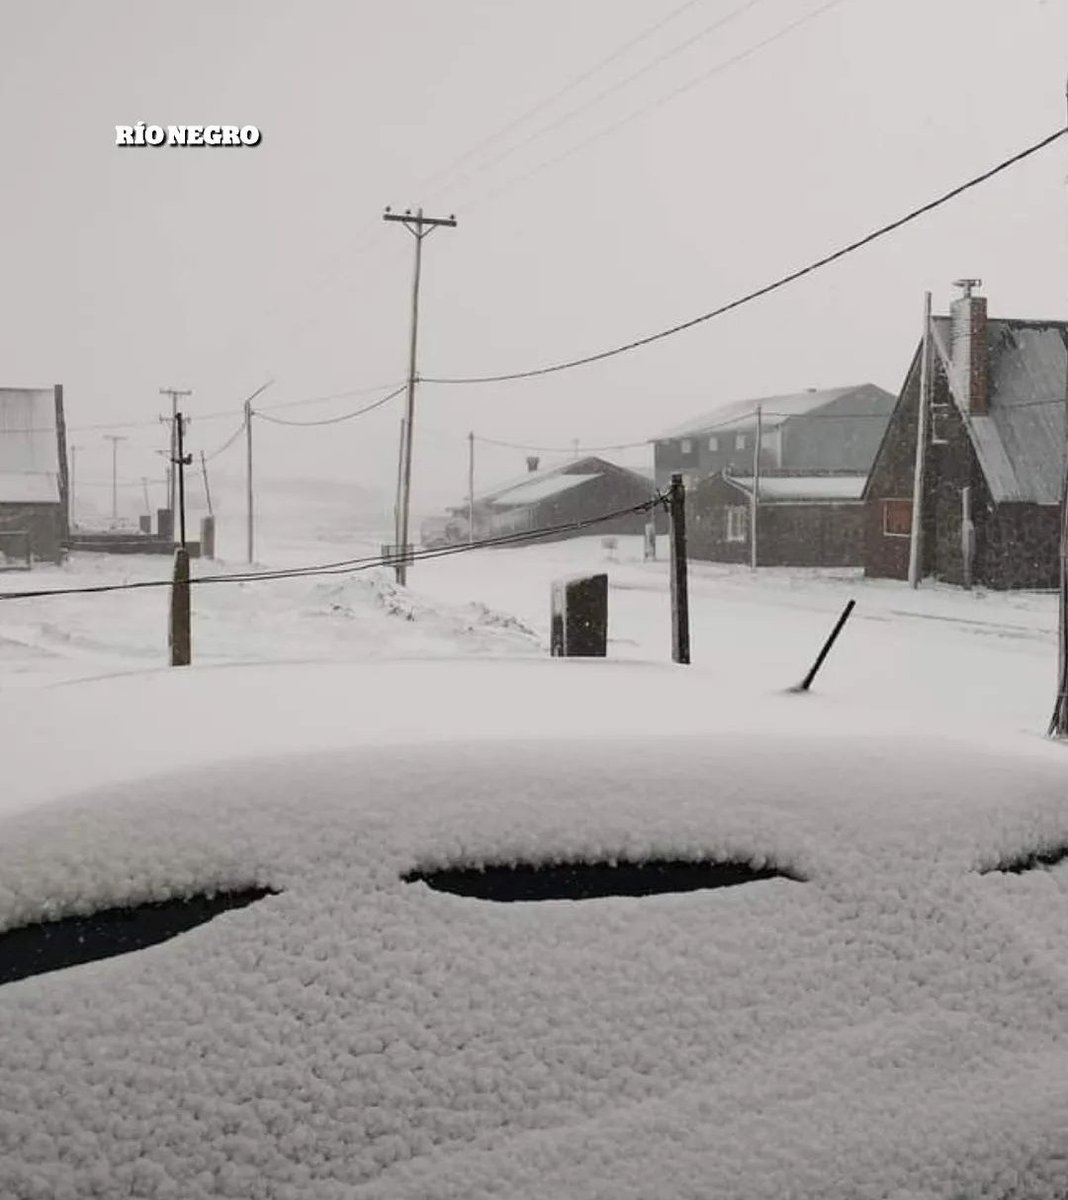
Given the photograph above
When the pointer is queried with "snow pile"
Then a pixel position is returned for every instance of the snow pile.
(476, 626)
(879, 1029)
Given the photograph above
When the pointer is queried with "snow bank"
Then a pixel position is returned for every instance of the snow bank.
(881, 1029)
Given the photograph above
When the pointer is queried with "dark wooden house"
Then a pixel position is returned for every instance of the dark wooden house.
(834, 429)
(583, 489)
(801, 520)
(994, 457)
(33, 474)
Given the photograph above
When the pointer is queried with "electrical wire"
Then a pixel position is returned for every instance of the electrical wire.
(348, 566)
(562, 449)
(641, 71)
(654, 105)
(227, 444)
(359, 412)
(360, 391)
(779, 283)
(547, 101)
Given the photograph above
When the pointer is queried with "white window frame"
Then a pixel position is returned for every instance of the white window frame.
(737, 523)
(896, 500)
(739, 441)
(686, 446)
(713, 443)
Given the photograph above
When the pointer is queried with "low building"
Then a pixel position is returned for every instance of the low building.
(833, 429)
(994, 461)
(801, 520)
(568, 500)
(33, 474)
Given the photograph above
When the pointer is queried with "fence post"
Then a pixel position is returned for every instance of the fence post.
(180, 636)
(680, 604)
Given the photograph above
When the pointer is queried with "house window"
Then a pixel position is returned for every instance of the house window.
(897, 518)
(713, 443)
(686, 446)
(737, 523)
(739, 441)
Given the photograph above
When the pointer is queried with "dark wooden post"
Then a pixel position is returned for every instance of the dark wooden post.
(680, 602)
(180, 639)
(806, 683)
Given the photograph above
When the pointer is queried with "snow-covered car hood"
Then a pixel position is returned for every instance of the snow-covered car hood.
(888, 1020)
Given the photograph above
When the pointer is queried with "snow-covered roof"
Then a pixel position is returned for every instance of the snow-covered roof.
(775, 410)
(29, 447)
(805, 487)
(540, 489)
(1020, 441)
(888, 1022)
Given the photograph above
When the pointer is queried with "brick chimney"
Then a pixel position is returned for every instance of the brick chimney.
(968, 347)
(532, 463)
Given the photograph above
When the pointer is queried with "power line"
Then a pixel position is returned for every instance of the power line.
(781, 282)
(551, 99)
(359, 412)
(360, 391)
(347, 566)
(579, 109)
(227, 444)
(560, 449)
(654, 105)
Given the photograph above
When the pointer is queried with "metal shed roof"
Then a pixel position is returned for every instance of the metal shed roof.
(774, 411)
(805, 487)
(540, 489)
(29, 446)
(1020, 443)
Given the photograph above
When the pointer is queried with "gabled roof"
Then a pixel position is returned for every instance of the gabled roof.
(784, 488)
(775, 410)
(540, 489)
(521, 490)
(1020, 443)
(29, 446)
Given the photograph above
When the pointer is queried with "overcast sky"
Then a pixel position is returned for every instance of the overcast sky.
(127, 270)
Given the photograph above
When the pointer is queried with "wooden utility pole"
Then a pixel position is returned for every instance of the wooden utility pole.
(419, 227)
(248, 475)
(73, 493)
(114, 439)
(249, 414)
(923, 416)
(400, 486)
(181, 461)
(175, 394)
(1058, 726)
(470, 488)
(754, 499)
(180, 633)
(207, 487)
(680, 603)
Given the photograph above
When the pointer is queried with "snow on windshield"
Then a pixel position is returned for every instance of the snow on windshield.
(882, 1025)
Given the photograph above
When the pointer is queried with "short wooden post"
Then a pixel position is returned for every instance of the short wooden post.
(180, 638)
(806, 683)
(680, 603)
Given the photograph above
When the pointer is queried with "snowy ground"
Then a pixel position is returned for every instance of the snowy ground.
(938, 654)
(888, 1022)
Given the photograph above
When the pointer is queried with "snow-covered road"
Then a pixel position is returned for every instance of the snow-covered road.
(938, 653)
